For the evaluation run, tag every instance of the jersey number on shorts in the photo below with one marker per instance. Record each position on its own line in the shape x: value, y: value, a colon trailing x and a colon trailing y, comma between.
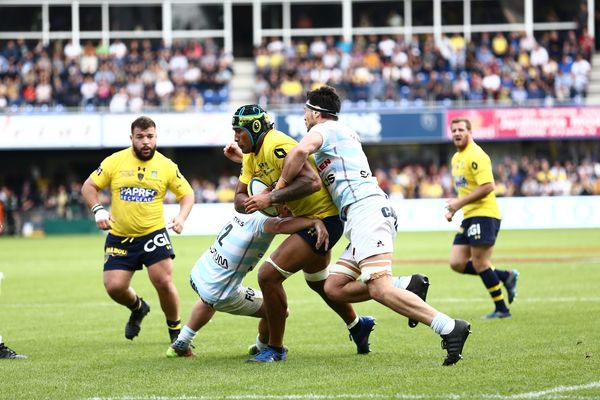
x: 389, y: 212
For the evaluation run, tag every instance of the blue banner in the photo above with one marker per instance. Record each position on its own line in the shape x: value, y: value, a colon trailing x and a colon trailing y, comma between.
x: 377, y: 127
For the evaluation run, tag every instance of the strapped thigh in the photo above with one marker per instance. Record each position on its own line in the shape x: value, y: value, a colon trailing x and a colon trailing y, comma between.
x: 375, y: 269
x: 286, y: 274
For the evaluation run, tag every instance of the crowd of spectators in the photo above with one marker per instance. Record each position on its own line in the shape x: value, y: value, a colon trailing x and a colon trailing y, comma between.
x: 37, y: 199
x: 120, y: 77
x: 495, y: 69
x: 503, y: 68
x: 526, y: 177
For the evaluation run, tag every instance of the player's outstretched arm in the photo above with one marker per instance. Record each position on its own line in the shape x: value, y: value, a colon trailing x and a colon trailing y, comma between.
x: 297, y: 157
x: 291, y: 225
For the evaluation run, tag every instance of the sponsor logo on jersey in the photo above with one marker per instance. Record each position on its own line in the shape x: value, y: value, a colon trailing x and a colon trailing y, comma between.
x: 138, y: 195
x: 328, y: 179
x: 324, y: 164
x: 238, y: 221
x: 460, y: 181
x: 218, y: 258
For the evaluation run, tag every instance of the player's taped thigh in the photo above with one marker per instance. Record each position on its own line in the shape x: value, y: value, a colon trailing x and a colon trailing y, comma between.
x: 286, y: 274
x: 375, y: 269
x: 317, y: 276
x: 345, y: 267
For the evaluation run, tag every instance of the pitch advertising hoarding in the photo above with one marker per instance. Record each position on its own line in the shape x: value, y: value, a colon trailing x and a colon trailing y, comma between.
x: 530, y: 123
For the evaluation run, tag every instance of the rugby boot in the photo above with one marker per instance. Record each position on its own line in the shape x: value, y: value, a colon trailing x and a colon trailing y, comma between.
x: 497, y: 315
x: 454, y: 342
x: 361, y: 334
x: 7, y: 352
x: 419, y: 285
x: 132, y: 329
x: 511, y: 285
x: 268, y: 355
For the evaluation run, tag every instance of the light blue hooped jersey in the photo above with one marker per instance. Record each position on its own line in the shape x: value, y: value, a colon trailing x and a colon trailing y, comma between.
x: 237, y: 249
x: 343, y: 165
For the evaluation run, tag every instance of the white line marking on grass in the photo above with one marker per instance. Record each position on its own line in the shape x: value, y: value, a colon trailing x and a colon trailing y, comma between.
x: 554, y: 393
x: 570, y: 299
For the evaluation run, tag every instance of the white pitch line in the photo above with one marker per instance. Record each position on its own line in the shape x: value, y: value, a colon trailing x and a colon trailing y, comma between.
x: 556, y: 390
x: 553, y: 393
x: 570, y: 299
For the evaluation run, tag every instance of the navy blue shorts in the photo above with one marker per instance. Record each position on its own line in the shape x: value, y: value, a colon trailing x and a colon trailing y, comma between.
x: 478, y: 231
x: 335, y: 228
x: 132, y: 254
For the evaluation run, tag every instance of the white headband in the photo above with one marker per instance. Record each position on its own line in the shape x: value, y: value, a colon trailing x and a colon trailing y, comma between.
x: 320, y: 109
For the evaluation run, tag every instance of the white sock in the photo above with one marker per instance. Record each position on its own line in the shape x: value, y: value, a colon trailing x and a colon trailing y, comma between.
x: 353, y: 323
x: 260, y: 345
x: 442, y: 324
x: 186, y: 336
x: 402, y: 281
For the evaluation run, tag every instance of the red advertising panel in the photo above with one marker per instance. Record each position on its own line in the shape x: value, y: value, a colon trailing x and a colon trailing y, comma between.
x: 530, y: 123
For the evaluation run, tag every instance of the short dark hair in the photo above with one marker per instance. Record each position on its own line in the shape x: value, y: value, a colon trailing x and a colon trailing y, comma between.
x: 466, y: 121
x: 327, y: 99
x: 143, y: 123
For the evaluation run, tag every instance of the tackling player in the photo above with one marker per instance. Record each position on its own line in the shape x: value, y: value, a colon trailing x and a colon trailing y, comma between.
x: 370, y: 220
x: 264, y: 150
x: 138, y: 178
x: 217, y: 275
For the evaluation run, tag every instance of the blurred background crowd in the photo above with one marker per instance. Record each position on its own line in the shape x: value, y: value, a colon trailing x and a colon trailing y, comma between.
x: 129, y: 76
x: 37, y: 197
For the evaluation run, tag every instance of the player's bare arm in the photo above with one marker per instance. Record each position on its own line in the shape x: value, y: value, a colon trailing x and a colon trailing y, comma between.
x: 89, y: 191
x: 233, y: 152
x: 453, y: 205
x: 241, y: 195
x: 185, y: 207
x: 306, y: 183
x: 297, y: 157
x: 291, y: 225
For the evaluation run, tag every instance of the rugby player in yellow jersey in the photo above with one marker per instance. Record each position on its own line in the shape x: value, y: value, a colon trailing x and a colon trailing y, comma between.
x: 473, y: 244
x: 264, y: 150
x: 138, y: 178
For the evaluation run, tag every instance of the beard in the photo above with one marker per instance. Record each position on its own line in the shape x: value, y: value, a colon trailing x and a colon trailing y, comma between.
x: 142, y: 156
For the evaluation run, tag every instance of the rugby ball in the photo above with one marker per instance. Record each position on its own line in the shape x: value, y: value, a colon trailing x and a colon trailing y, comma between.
x: 256, y: 186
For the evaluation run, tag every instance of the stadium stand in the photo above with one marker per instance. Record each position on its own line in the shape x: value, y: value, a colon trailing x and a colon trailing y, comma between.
x: 513, y: 69
x: 125, y: 77
x: 127, y: 61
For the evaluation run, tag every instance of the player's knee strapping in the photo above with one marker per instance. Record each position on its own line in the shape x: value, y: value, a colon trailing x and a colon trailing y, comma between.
x: 345, y: 267
x: 317, y: 276
x: 375, y: 269
x: 286, y: 274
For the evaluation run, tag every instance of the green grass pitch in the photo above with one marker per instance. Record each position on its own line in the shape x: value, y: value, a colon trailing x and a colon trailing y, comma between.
x: 54, y: 309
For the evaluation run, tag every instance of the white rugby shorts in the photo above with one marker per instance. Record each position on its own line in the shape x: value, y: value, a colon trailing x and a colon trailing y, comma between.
x: 370, y: 227
x: 242, y: 301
